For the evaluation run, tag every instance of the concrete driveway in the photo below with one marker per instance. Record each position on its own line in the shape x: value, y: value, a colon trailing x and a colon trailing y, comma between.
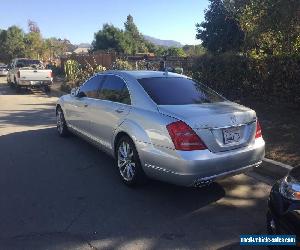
x: 62, y: 193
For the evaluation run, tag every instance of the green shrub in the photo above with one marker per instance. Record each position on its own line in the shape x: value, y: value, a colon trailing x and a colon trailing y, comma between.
x: 122, y: 65
x: 77, y: 73
x: 86, y: 71
x: 65, y: 88
x: 71, y: 68
x: 275, y: 78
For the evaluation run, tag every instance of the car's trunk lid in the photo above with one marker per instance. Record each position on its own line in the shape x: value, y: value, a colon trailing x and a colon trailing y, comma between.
x: 222, y: 126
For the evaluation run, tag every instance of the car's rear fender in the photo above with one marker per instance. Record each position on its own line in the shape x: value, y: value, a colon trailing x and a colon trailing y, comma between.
x: 146, y: 127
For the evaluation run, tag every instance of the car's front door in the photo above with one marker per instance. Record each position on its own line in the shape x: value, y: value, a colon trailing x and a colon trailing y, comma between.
x: 78, y: 114
x: 110, y: 109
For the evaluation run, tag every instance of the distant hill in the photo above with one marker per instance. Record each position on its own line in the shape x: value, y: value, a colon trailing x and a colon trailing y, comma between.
x: 165, y: 43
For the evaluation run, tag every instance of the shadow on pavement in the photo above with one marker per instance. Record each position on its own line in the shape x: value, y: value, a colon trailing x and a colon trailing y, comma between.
x: 6, y: 89
x: 65, y: 189
x: 63, y: 193
x: 33, y: 117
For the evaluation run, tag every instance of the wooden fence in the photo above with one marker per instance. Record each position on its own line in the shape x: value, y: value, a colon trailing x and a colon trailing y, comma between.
x: 98, y: 58
x: 107, y: 60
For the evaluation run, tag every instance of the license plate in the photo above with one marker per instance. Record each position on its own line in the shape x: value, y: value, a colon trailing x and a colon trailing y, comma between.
x: 35, y: 82
x: 231, y: 135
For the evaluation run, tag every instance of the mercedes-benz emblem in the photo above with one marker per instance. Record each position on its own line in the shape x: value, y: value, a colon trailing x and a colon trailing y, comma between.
x: 233, y: 119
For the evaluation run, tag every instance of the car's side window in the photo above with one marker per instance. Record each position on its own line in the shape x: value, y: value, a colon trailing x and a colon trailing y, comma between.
x: 114, y: 89
x: 91, y: 87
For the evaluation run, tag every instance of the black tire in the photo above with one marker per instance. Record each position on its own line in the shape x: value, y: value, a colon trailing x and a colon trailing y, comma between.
x: 47, y: 89
x: 18, y: 88
x: 8, y: 81
x: 61, y: 124
x: 270, y: 221
x: 136, y: 176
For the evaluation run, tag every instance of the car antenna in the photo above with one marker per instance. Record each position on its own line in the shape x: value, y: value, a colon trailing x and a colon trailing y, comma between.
x: 166, y: 72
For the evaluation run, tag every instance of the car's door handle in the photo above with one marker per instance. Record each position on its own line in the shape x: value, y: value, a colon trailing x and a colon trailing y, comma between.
x: 120, y: 110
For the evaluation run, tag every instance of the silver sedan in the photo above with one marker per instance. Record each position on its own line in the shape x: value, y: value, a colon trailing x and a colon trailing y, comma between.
x: 164, y: 126
x: 3, y: 70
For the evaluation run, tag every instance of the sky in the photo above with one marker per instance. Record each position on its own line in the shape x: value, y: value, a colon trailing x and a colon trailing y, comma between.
x: 78, y: 20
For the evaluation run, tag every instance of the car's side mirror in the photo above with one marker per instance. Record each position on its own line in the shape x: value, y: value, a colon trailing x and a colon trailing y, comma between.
x: 74, y: 91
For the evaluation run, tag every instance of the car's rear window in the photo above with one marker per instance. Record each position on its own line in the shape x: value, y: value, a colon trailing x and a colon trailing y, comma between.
x: 28, y: 62
x: 178, y: 91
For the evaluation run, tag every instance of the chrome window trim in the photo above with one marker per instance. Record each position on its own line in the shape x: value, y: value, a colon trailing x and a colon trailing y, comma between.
x: 232, y: 126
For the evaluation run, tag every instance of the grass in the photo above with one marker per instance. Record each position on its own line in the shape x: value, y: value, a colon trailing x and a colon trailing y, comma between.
x: 281, y: 130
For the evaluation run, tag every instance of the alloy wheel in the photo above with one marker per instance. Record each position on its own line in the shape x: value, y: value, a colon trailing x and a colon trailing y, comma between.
x: 126, y: 162
x: 59, y: 121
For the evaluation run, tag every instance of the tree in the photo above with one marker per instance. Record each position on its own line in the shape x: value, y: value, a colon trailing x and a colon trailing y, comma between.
x: 160, y: 51
x: 220, y: 32
x: 109, y: 38
x: 11, y: 43
x: 271, y: 27
x: 194, y: 50
x: 129, y: 41
x: 132, y: 29
x: 33, y: 27
x: 3, y: 39
x: 173, y: 51
x: 15, y: 43
x: 34, y: 45
x: 137, y: 43
x: 54, y: 47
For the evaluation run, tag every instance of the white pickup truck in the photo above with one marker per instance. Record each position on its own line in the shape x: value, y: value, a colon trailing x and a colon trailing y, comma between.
x: 29, y: 73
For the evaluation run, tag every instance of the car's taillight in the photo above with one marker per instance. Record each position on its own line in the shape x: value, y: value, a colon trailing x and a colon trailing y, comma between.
x: 50, y: 74
x: 18, y: 74
x: 258, y: 132
x: 184, y: 137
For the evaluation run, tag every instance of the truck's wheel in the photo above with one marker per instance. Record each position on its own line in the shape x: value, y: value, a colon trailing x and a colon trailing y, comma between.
x: 18, y: 88
x: 16, y: 85
x: 47, y: 89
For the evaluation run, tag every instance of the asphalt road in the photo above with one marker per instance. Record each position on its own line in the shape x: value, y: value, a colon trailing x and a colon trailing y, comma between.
x: 62, y: 193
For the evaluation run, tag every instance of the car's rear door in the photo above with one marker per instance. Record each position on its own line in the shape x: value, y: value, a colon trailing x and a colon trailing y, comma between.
x: 108, y: 112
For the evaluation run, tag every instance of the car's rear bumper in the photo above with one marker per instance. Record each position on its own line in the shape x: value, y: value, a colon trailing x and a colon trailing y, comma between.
x: 194, y: 168
x: 27, y: 83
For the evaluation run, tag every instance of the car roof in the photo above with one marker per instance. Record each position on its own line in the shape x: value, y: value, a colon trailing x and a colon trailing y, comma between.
x: 139, y: 74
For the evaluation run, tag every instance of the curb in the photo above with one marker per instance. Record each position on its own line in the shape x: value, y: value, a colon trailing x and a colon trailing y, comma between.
x: 274, y: 169
x: 277, y: 163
